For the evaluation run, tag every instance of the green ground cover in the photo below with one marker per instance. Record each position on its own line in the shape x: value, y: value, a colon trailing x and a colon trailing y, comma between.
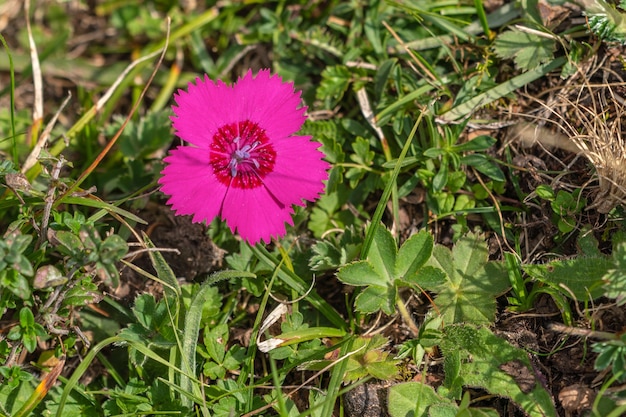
x: 467, y: 256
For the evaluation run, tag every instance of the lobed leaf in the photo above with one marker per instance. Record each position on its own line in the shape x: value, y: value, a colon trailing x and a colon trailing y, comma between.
x: 489, y: 362
x: 471, y: 283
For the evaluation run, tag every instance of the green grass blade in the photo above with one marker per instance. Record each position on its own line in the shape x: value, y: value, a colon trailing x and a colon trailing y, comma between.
x: 81, y: 369
x: 192, y: 330
x: 382, y: 203
x: 465, y: 109
x: 499, y: 17
x: 12, y: 102
x: 99, y: 204
x: 163, y: 270
x: 482, y: 17
x: 297, y: 284
x: 390, y: 110
x: 336, y: 379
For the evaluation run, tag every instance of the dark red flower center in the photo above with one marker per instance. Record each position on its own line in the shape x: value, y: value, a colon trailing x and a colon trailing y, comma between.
x: 241, y: 154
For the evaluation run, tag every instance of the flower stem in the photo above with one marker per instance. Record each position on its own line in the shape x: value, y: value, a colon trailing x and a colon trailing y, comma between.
x: 406, y: 317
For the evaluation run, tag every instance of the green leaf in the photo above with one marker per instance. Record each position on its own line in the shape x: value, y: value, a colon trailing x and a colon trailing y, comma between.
x: 427, y: 278
x: 583, y: 275
x: 441, y: 178
x: 362, y: 153
x: 27, y: 320
x: 466, y: 108
x: 484, y: 165
x: 545, y: 192
x: 527, y: 50
x: 361, y: 273
x: 414, y: 399
x: 215, y: 341
x: 488, y: 362
x: 69, y: 240
x: 472, y: 283
x: 382, y: 254
x: 143, y: 137
x: 456, y: 180
x: 163, y: 270
x: 615, y: 278
x: 375, y: 298
x: 413, y: 254
x: 370, y: 358
x: 94, y: 202
x: 479, y: 143
x: 191, y: 330
x: 606, y: 21
x: 386, y: 268
x: 334, y: 84
x: 434, y: 152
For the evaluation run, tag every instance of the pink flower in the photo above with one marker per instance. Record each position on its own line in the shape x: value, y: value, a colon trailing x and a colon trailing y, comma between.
x: 244, y: 165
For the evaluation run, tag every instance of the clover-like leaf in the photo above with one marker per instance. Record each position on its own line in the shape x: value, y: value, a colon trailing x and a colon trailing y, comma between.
x: 386, y: 268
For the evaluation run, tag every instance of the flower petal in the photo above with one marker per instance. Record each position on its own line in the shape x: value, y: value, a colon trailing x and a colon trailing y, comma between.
x: 189, y: 180
x: 271, y: 103
x: 255, y: 215
x: 202, y: 109
x: 298, y: 171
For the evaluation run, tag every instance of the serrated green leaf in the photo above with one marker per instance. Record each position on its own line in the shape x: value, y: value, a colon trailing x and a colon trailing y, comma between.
x: 472, y: 283
x: 427, y: 278
x: 362, y: 153
x: 143, y: 137
x: 583, y: 276
x: 491, y: 363
x: 385, y: 370
x: 361, y: 273
x: 215, y: 341
x: 375, y: 298
x: 413, y: 254
x: 335, y: 82
x: 331, y: 149
x: 526, y: 49
x: 383, y: 253
x: 615, y: 279
x: 414, y: 399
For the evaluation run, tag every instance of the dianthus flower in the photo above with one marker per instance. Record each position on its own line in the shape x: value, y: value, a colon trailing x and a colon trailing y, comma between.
x: 245, y: 165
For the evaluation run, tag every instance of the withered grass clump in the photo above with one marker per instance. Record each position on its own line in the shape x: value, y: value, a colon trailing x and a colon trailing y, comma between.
x: 589, y: 116
x: 603, y: 142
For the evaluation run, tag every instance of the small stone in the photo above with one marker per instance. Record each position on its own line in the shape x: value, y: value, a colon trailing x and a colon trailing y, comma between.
x: 367, y: 400
x: 576, y: 398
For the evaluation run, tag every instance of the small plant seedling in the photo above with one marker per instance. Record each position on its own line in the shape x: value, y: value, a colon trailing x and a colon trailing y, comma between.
x: 387, y: 268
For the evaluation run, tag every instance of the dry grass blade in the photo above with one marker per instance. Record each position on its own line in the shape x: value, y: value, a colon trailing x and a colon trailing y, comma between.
x: 589, y: 116
x: 37, y: 77
x: 605, y: 147
x: 602, y: 143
